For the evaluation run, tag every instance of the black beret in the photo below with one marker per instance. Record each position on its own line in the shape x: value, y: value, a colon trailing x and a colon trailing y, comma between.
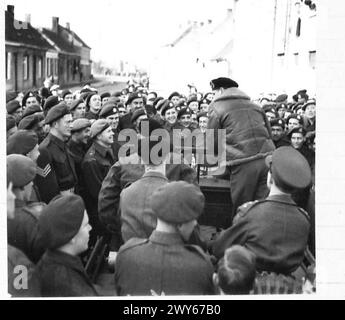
x: 85, y: 90
x: 12, y: 106
x: 133, y: 96
x: 174, y: 94
x: 181, y: 104
x: 223, y: 83
x: 30, y: 121
x: 137, y: 114
x: 294, y: 116
x: 57, y: 112
x: 166, y: 106
x: 184, y: 111
x: 10, y: 122
x: 203, y: 101
x: 299, y: 129
x: 76, y: 103
x: 22, y: 142
x: 269, y: 108
x: 21, y: 170
x: 154, y: 104
x: 98, y: 127
x: 308, y: 103
x: 160, y: 104
x: 192, y: 99
x: 108, y: 109
x: 50, y: 103
x: 281, y: 98
x: 105, y: 95
x: 28, y: 95
x: 32, y: 110
x: 289, y: 167
x: 278, y: 122
x: 201, y: 114
x: 281, y: 105
x: 65, y: 93
x: 60, y: 220
x: 178, y: 202
x: 117, y: 94
x: 87, y: 100
x: 80, y: 124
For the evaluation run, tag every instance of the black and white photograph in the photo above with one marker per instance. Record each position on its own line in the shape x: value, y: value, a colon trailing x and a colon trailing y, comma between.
x: 168, y: 148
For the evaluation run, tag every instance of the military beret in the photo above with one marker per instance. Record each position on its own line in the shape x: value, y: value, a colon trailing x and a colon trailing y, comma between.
x: 137, y: 114
x: 85, y: 90
x: 80, y: 124
x: 50, y: 103
x: 108, y: 109
x: 174, y: 94
x: 289, y: 168
x: 21, y: 170
x: 192, y: 99
x: 181, y: 104
x: 75, y: 104
x: 57, y: 112
x: 65, y: 93
x: 12, y: 106
x: 201, y: 114
x: 117, y: 94
x: 281, y: 105
x: 281, y: 98
x: 308, y: 103
x: 269, y: 108
x: 178, y: 202
x: 133, y: 96
x: 203, y: 101
x: 60, y: 220
x: 160, y: 104
x: 28, y: 122
x: 98, y: 127
x: 223, y: 83
x: 28, y: 95
x: 87, y: 100
x: 10, y: 95
x: 297, y: 106
x: 22, y: 142
x: 278, y: 123
x: 184, y: 111
x: 294, y: 116
x: 166, y: 106
x: 10, y: 122
x: 299, y: 129
x: 155, y: 102
x: 105, y: 95
x: 32, y: 109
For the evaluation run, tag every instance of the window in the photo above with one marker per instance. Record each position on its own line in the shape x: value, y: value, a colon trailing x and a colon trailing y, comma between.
x: 312, y: 59
x: 8, y: 65
x: 39, y: 68
x: 56, y: 67
x: 47, y: 68
x: 296, y: 56
x: 26, y: 67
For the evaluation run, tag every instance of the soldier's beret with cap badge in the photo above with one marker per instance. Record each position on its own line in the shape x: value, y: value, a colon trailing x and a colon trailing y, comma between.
x: 166, y: 106
x: 308, y: 103
x: 184, y: 111
x: 98, y: 127
x: 289, y: 167
x: 57, y: 112
x: 80, y: 124
x: 298, y: 129
x: 133, y: 96
x: 108, y: 109
x: 278, y: 122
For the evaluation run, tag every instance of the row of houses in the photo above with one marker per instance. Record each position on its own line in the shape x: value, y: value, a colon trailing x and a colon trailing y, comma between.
x: 36, y: 54
x: 267, y: 46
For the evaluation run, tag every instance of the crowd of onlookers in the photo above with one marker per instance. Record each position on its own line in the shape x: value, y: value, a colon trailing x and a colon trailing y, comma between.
x: 67, y: 186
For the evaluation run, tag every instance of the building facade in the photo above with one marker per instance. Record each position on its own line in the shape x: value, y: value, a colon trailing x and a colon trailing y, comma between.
x: 33, y: 55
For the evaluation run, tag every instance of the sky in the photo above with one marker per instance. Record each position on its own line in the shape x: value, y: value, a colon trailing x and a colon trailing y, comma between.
x: 129, y: 30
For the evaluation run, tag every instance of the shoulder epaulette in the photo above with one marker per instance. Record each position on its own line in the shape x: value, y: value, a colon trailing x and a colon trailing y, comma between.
x: 244, y: 208
x: 199, y: 251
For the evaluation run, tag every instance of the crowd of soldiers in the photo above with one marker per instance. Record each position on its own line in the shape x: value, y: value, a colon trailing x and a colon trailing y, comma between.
x: 69, y: 184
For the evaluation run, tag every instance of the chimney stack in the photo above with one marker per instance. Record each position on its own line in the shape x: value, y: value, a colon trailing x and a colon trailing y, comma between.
x: 10, y: 10
x: 55, y: 24
x: 68, y: 26
x: 28, y: 18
